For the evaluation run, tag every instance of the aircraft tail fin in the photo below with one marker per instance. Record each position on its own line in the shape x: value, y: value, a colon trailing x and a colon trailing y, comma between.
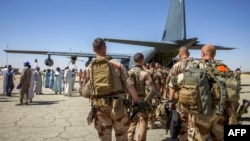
x: 175, y: 28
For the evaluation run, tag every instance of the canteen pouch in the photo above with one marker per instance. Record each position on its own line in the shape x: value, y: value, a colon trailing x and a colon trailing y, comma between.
x: 117, y: 106
x: 86, y: 90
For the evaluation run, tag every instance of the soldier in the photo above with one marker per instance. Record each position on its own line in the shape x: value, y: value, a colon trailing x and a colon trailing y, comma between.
x: 165, y: 72
x: 107, y: 100
x: 142, y: 81
x: 177, y: 68
x: 206, y: 110
x: 157, y: 77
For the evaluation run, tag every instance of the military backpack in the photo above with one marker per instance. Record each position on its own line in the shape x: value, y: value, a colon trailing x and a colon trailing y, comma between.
x: 101, y: 76
x: 203, y: 85
x: 139, y: 83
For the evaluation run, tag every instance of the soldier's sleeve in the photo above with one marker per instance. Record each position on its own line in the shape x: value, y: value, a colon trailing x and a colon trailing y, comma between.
x: 124, y: 73
x: 172, y: 73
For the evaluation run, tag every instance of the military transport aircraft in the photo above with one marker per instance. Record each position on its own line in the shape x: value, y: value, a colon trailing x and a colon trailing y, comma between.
x: 174, y: 36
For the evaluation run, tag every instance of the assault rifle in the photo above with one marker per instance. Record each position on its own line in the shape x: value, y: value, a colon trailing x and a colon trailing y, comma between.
x: 143, y: 105
x: 91, y: 115
x: 243, y: 108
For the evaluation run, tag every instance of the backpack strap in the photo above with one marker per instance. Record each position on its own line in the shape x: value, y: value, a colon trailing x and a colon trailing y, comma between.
x: 221, y: 107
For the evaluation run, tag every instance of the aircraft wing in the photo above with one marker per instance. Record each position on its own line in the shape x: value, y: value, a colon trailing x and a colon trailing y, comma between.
x: 157, y: 44
x: 199, y: 46
x: 163, y: 45
x: 77, y: 54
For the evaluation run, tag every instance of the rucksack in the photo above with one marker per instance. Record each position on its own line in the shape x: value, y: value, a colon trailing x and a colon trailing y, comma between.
x: 139, y: 84
x: 195, y: 92
x: 224, y: 77
x: 101, y: 76
x: 202, y: 85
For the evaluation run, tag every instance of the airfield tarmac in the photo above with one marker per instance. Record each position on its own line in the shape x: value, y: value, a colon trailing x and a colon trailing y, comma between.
x: 59, y: 118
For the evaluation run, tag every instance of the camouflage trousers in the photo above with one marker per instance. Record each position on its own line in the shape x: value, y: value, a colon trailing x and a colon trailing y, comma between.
x: 106, y: 120
x: 183, y: 136
x: 142, y: 120
x: 152, y: 114
x: 200, y: 126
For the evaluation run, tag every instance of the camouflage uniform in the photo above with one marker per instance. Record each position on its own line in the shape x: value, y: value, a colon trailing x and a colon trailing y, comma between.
x: 165, y: 73
x: 141, y: 117
x: 161, y: 114
x: 200, y: 126
x: 156, y: 77
x: 111, y: 112
x: 177, y: 68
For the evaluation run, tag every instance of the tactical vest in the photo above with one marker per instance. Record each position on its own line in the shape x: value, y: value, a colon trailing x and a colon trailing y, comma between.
x: 104, y: 79
x: 139, y: 82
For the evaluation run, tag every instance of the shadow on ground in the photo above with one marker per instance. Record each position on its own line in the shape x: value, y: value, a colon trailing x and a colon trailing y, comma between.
x: 245, y: 85
x: 45, y: 102
x: 245, y: 119
x: 170, y: 139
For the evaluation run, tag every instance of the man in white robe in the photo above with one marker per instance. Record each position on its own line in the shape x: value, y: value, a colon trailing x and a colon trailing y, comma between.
x: 68, y: 81
x: 3, y: 71
x: 37, y: 81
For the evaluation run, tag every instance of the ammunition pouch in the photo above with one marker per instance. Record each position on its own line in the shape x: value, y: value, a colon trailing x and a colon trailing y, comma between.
x: 188, y: 95
x: 188, y: 98
x: 102, y: 102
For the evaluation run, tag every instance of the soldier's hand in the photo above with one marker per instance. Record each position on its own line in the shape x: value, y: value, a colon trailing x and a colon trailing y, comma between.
x: 171, y: 105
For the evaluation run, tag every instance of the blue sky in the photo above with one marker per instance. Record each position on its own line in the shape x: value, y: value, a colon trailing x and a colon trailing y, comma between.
x: 71, y: 25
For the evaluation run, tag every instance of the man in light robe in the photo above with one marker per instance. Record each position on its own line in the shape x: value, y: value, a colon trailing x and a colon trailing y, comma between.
x: 31, y: 88
x: 3, y: 71
x: 68, y: 81
x: 47, y: 78
x: 37, y: 81
x: 58, y: 81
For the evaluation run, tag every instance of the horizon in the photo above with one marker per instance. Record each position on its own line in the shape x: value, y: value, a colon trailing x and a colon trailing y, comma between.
x: 63, y: 25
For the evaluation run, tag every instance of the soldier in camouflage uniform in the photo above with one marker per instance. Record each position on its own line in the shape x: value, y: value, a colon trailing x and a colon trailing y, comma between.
x: 156, y: 77
x: 165, y: 72
x: 145, y: 83
x: 199, y: 125
x: 177, y: 68
x: 110, y: 111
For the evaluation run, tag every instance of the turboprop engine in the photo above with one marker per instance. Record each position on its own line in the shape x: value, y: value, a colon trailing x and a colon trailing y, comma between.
x: 49, y: 62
